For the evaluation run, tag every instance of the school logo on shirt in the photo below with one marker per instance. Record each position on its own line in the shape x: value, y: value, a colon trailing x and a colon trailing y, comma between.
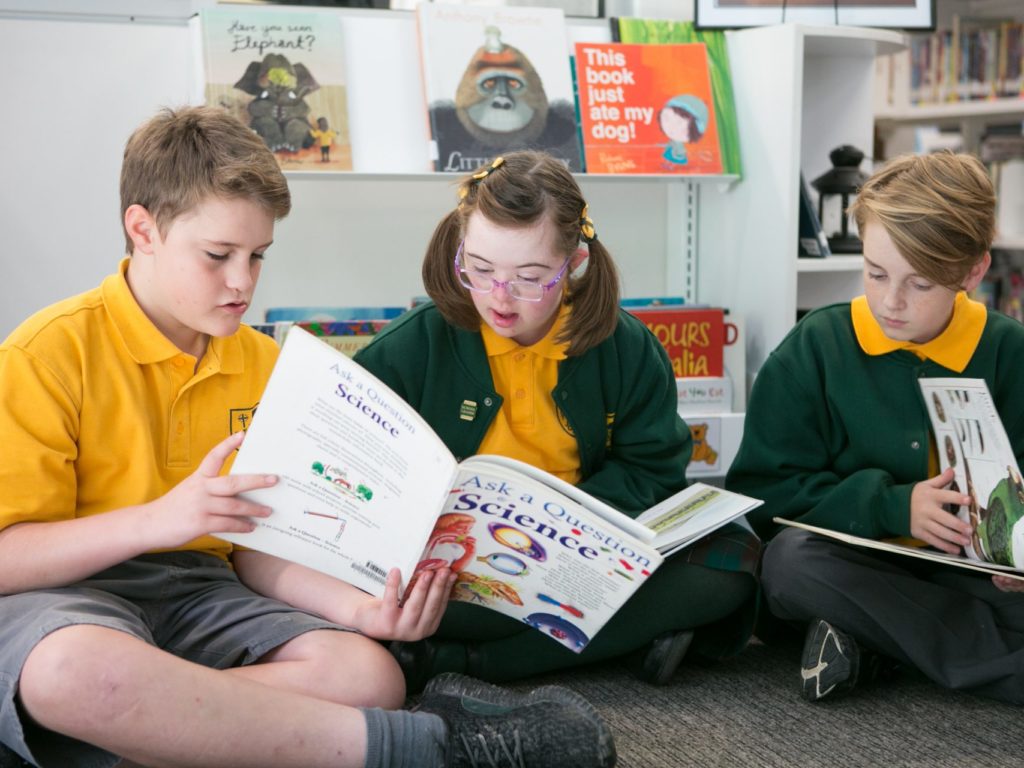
x: 241, y: 418
x: 564, y: 422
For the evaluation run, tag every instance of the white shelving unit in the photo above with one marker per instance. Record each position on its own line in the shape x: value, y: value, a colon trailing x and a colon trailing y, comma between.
x: 800, y: 92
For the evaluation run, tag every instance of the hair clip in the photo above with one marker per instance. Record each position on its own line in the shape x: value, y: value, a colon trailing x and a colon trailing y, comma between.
x: 587, y: 232
x: 478, y: 177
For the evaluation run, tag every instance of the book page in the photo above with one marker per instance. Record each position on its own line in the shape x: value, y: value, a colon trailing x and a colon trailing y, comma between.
x: 362, y: 476
x: 531, y: 553
x: 971, y: 439
x: 923, y: 553
x: 692, y: 513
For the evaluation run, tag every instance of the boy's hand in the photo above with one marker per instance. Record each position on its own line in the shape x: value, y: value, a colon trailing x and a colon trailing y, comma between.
x: 416, y: 618
x: 1008, y: 584
x: 932, y: 524
x: 205, y: 502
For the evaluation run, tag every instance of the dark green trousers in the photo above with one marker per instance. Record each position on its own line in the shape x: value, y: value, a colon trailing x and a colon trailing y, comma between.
x: 678, y: 596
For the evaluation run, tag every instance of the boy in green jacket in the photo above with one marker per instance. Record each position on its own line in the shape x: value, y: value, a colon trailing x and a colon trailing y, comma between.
x: 837, y: 435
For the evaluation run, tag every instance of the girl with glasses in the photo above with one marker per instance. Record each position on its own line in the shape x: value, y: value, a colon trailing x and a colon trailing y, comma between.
x: 524, y: 352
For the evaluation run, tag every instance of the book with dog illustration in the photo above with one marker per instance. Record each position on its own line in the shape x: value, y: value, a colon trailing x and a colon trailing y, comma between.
x: 366, y: 486
x: 282, y: 73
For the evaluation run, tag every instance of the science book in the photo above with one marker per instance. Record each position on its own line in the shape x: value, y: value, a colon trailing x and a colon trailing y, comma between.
x: 647, y: 109
x: 282, y: 73
x: 663, y: 31
x: 496, y: 79
x: 366, y: 486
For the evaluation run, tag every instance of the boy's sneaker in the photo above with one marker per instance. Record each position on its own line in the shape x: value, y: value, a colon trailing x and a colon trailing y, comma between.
x: 497, y: 727
x: 830, y: 662
x: 657, y: 662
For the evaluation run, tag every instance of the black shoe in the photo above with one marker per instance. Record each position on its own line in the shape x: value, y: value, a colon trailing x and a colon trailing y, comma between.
x: 830, y: 664
x: 656, y: 663
x: 417, y: 662
x: 492, y: 726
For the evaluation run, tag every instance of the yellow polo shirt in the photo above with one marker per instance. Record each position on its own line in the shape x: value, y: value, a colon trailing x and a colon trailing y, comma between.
x: 528, y: 426
x: 953, y: 349
x: 99, y: 410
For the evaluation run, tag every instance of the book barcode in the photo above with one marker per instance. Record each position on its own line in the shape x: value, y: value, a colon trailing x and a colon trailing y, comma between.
x: 375, y: 572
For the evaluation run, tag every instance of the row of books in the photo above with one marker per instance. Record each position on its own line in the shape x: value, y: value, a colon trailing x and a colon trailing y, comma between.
x: 658, y: 100
x: 973, y: 59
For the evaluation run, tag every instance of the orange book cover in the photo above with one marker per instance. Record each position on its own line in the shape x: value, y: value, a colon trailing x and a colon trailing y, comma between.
x: 693, y: 337
x: 647, y: 108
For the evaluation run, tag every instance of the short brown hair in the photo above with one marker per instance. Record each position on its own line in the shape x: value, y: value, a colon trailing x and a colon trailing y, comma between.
x: 181, y: 156
x: 938, y: 209
x: 526, y: 187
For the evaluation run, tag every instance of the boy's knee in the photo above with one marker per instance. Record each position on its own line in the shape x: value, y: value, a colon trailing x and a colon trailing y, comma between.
x: 784, y: 559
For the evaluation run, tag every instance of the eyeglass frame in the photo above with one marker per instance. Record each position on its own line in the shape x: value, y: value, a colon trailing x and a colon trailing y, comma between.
x: 460, y: 274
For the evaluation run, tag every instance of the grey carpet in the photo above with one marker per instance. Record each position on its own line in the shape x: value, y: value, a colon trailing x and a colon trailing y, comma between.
x: 747, y: 711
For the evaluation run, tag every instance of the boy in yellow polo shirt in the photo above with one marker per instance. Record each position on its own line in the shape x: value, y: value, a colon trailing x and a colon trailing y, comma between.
x: 124, y: 629
x: 837, y: 435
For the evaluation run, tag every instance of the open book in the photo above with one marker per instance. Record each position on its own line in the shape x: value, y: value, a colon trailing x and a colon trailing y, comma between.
x: 366, y: 486
x: 972, y: 440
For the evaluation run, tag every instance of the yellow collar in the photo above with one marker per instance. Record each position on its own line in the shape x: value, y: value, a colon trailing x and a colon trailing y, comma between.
x: 953, y: 348
x: 496, y: 345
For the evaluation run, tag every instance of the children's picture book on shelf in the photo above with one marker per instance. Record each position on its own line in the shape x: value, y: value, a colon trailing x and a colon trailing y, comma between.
x: 647, y: 109
x: 366, y: 486
x: 329, y: 314
x: 716, y: 439
x: 281, y: 72
x: 496, y: 79
x: 812, y: 241
x: 346, y: 336
x: 663, y: 31
x: 970, y: 438
x: 694, y: 337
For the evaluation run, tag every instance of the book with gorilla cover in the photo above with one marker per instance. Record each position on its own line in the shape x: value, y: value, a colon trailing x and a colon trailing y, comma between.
x: 496, y: 79
x: 282, y: 73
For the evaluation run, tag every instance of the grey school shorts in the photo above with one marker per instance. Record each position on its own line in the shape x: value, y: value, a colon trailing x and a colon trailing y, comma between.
x: 224, y: 624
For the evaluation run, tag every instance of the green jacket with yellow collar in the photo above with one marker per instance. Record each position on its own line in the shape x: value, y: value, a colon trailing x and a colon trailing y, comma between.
x: 618, y: 400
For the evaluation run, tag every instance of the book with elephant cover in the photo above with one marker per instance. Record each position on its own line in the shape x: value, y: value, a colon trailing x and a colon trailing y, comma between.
x: 496, y: 79
x: 281, y: 72
x: 970, y: 438
x: 366, y: 486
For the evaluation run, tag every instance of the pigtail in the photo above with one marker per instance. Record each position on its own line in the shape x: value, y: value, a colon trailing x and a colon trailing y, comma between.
x: 438, y: 273
x: 594, y: 297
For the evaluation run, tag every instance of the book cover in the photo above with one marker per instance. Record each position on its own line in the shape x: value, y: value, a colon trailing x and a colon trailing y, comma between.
x: 647, y: 109
x: 282, y: 73
x: 326, y: 314
x: 346, y: 336
x: 367, y: 486
x: 496, y: 79
x: 661, y: 31
x: 716, y: 439
x: 812, y: 240
x: 695, y: 338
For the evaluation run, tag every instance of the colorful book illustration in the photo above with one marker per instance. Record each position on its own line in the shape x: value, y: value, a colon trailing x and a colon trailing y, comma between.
x: 695, y: 338
x: 367, y: 486
x: 496, y: 79
x: 282, y: 73
x: 647, y: 109
x: 632, y: 30
x: 328, y: 314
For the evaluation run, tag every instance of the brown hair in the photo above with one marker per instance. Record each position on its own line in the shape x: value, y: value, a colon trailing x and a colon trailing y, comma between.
x: 180, y: 157
x: 518, y: 193
x: 938, y: 209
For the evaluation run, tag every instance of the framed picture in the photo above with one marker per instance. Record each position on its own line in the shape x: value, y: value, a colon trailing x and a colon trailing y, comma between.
x: 894, y: 14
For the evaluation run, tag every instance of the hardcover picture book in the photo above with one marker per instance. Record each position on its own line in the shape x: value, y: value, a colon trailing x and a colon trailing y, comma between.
x: 366, y: 486
x: 282, y: 73
x: 694, y: 337
x: 661, y: 31
x: 496, y: 79
x: 647, y: 109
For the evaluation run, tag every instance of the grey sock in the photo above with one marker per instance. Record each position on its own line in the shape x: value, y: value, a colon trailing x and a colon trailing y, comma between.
x: 403, y: 739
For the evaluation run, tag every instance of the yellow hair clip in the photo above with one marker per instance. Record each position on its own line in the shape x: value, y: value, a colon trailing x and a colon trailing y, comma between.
x: 587, y: 232
x: 481, y: 175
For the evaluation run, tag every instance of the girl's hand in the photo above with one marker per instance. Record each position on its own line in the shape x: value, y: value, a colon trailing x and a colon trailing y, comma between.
x: 416, y: 618
x: 205, y: 502
x: 933, y: 524
x: 1008, y: 584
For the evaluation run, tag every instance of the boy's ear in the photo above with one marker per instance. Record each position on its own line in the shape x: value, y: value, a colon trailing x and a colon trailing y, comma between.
x: 141, y: 228
x: 977, y: 272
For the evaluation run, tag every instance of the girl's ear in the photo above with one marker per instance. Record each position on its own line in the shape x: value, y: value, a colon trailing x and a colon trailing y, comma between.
x: 141, y: 228
x: 977, y: 272
x: 581, y: 255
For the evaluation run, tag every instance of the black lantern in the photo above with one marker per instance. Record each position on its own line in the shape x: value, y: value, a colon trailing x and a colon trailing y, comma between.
x: 843, y: 179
